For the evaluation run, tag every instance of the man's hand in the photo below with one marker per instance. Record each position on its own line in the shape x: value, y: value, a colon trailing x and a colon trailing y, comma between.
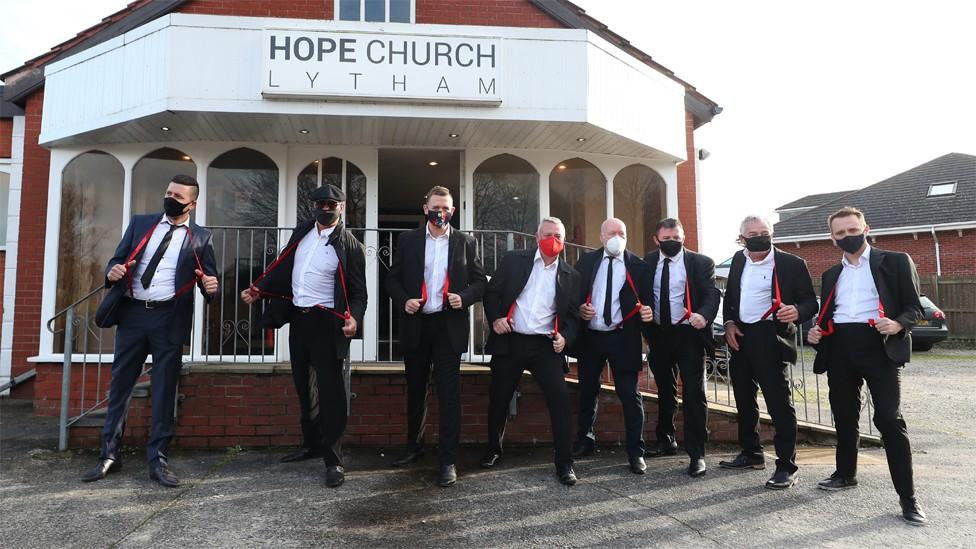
x: 647, y: 313
x: 250, y: 295
x: 732, y: 333
x: 787, y: 314
x: 814, y: 335
x: 886, y: 326
x: 349, y: 328
x: 118, y: 271
x: 501, y: 326
x: 412, y: 306
x: 209, y: 282
x: 558, y: 342
x: 454, y: 300
x: 587, y: 312
x: 697, y: 321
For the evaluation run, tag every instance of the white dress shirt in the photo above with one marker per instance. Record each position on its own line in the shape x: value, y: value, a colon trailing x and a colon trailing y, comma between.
x: 756, y: 287
x: 163, y: 284
x: 598, y: 297
x: 856, y: 297
x: 676, y: 286
x: 314, y: 273
x: 535, y: 308
x: 435, y: 269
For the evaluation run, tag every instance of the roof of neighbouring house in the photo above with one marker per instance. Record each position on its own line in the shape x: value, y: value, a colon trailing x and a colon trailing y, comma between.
x: 813, y: 200
x: 901, y: 200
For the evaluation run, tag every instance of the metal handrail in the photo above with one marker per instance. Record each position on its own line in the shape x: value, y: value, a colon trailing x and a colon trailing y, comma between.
x: 74, y: 304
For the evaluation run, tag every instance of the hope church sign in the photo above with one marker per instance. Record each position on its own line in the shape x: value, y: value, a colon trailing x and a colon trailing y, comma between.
x: 381, y: 67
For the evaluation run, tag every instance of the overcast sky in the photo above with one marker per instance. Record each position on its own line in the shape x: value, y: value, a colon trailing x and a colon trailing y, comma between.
x: 818, y: 96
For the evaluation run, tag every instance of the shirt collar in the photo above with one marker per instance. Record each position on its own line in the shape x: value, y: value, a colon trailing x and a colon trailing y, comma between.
x: 763, y: 261
x: 677, y: 257
x: 607, y: 254
x: 167, y: 221
x: 865, y: 258
x: 446, y: 234
x: 326, y: 232
x: 538, y: 257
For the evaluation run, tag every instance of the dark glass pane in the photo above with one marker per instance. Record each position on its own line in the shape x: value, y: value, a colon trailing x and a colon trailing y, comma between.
x: 639, y: 201
x: 152, y: 175
x: 376, y: 10
x: 349, y: 10
x: 242, y: 190
x: 355, y: 198
x: 400, y: 11
x: 308, y: 181
x: 506, y: 199
x: 577, y: 195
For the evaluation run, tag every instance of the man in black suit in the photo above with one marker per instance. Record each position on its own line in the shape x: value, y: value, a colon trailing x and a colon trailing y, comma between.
x: 318, y: 284
x: 532, y: 303
x: 614, y: 293
x: 685, y: 304
x: 152, y: 275
x: 436, y: 275
x: 769, y: 291
x: 869, y: 305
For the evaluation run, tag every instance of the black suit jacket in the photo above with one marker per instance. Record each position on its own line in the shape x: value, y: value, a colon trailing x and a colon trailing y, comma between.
x: 897, y: 282
x: 200, y: 239
x: 796, y: 288
x: 467, y: 279
x: 588, y: 265
x: 705, y: 297
x: 352, y: 258
x: 507, y: 284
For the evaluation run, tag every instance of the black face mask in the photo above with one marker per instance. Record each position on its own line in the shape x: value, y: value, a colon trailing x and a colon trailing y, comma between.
x: 851, y: 243
x: 326, y: 218
x: 671, y: 247
x: 173, y: 207
x: 439, y: 218
x: 758, y: 243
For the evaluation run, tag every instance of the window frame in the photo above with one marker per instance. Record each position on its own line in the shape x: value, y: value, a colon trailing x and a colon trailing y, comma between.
x: 932, y: 186
x: 386, y: 18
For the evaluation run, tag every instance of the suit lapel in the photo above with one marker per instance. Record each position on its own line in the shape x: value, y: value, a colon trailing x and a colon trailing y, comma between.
x: 186, y: 248
x: 877, y: 257
x: 829, y: 286
x: 595, y: 270
x: 735, y: 282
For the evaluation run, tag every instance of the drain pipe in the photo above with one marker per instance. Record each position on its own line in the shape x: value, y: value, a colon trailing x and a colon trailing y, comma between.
x: 938, y: 258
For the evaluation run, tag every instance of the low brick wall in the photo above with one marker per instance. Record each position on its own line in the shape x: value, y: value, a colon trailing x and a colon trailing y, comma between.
x: 224, y: 406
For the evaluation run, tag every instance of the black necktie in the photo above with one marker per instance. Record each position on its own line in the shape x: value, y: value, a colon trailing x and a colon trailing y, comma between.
x: 157, y: 257
x: 608, y: 298
x: 665, y: 302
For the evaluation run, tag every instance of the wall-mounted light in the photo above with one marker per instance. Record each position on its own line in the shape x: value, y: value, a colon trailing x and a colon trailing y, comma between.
x: 561, y: 167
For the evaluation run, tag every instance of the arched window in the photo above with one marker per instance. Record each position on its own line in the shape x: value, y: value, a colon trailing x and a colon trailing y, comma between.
x: 341, y: 173
x: 91, y: 212
x: 577, y: 195
x: 506, y: 195
x: 639, y: 201
x: 151, y: 175
x: 242, y: 212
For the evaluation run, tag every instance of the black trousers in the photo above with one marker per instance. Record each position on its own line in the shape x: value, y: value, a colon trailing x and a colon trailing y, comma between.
x: 674, y: 350
x: 858, y: 355
x: 317, y: 373
x: 142, y: 332
x: 598, y: 349
x: 533, y: 353
x: 759, y: 365
x: 433, y: 354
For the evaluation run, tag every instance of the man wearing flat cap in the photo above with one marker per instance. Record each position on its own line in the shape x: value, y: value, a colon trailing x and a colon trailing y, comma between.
x: 318, y: 284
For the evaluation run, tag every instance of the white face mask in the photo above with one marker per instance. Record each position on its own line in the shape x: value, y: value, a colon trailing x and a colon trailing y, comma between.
x: 616, y: 245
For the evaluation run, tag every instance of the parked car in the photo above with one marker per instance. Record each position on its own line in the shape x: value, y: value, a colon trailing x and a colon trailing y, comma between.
x: 931, y: 329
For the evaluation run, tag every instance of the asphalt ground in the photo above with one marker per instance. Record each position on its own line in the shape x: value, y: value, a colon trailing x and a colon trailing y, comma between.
x: 239, y: 498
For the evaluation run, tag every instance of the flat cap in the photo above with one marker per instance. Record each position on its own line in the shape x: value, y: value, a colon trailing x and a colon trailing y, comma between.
x: 329, y: 192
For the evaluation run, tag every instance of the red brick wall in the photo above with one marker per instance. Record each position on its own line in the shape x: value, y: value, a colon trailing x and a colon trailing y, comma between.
x: 221, y: 410
x: 295, y: 9
x: 30, y: 244
x: 502, y: 13
x: 957, y: 253
x: 6, y: 136
x: 687, y: 189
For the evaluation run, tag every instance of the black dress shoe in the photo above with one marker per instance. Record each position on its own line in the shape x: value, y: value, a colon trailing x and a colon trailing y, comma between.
x: 566, y: 475
x: 696, y: 468
x: 490, y: 459
x: 101, y: 470
x: 409, y: 457
x: 912, y: 513
x: 582, y: 449
x: 447, y: 476
x: 835, y: 483
x: 743, y: 461
x: 637, y: 465
x: 659, y: 448
x: 162, y: 474
x: 302, y: 454
x: 782, y: 480
x: 334, y: 476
